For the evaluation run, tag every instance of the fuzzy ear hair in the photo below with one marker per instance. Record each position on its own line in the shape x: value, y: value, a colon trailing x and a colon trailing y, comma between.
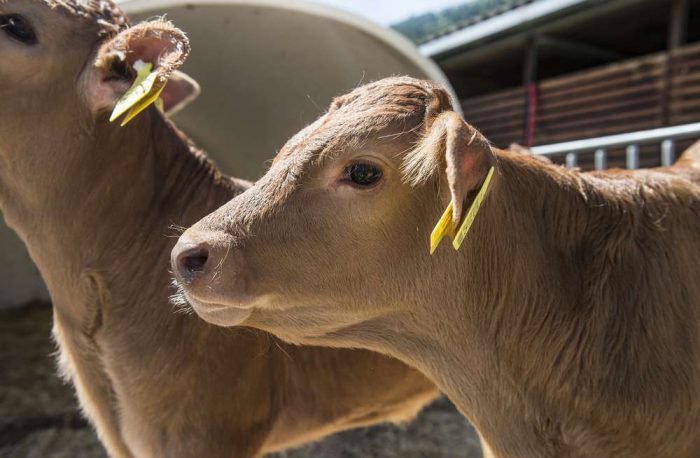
x: 156, y: 42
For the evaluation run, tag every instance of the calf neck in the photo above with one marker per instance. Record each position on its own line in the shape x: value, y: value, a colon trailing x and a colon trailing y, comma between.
x: 567, y: 322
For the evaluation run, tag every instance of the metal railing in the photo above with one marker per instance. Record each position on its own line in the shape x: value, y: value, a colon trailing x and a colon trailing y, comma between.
x: 665, y: 137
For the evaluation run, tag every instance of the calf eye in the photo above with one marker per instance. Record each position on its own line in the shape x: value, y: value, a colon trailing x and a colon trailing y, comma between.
x: 362, y: 174
x: 18, y: 28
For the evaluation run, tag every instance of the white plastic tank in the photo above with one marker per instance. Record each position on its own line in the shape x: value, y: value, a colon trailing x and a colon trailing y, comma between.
x: 267, y: 68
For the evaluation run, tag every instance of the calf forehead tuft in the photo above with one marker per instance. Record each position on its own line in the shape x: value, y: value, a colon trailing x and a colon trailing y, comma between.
x: 398, y: 95
x: 372, y: 108
x: 369, y: 109
x: 105, y: 13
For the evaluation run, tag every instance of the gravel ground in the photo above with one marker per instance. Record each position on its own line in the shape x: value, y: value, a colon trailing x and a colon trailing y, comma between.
x: 39, y: 416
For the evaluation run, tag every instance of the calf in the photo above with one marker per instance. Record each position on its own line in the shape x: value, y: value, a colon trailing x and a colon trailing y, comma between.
x: 565, y: 325
x: 94, y: 202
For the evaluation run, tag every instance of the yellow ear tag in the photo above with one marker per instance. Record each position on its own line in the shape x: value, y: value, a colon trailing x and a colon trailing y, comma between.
x: 445, y: 226
x: 471, y: 214
x: 142, y: 105
x: 141, y: 88
x: 442, y: 228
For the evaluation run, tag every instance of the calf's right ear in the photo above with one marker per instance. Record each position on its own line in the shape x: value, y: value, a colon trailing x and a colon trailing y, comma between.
x: 114, y: 68
x: 469, y: 166
x: 468, y: 157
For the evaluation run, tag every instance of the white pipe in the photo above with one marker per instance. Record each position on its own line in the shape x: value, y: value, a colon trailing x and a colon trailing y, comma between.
x: 611, y: 141
x: 668, y: 155
x: 632, y: 157
x: 601, y: 159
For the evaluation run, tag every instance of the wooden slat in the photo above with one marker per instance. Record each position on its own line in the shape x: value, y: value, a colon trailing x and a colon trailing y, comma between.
x: 504, y: 139
x: 604, y: 84
x: 493, y: 107
x: 497, y: 96
x: 501, y: 133
x: 684, y: 92
x: 618, y: 90
x: 594, y: 109
x: 638, y: 91
x: 690, y: 78
x: 584, y: 77
x: 605, y: 120
x: 592, y: 129
x: 680, y: 65
x: 686, y: 105
x: 503, y: 114
x: 495, y: 124
x: 685, y: 118
x: 542, y: 138
x: 687, y: 50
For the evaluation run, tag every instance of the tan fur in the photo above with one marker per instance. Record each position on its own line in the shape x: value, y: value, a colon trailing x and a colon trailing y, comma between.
x: 95, y: 204
x: 565, y: 326
x: 516, y: 148
x: 690, y: 157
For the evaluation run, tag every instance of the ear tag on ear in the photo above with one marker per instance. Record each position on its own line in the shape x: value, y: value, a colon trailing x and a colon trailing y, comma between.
x: 445, y: 226
x: 471, y: 214
x: 140, y: 95
x: 143, y: 104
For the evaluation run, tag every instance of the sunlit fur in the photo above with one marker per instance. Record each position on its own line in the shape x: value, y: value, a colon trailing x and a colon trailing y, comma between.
x: 567, y: 324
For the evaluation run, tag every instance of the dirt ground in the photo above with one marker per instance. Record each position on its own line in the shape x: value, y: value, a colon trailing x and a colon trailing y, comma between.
x: 39, y: 417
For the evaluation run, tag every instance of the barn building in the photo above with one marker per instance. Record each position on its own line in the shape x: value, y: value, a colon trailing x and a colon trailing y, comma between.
x: 593, y: 83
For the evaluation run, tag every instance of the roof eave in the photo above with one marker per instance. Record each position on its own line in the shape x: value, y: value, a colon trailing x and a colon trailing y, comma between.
x: 507, y: 22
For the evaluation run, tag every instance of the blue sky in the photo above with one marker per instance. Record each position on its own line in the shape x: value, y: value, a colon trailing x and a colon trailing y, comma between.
x: 388, y: 12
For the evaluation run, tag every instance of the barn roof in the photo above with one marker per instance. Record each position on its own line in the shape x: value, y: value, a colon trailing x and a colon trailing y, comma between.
x: 502, y: 21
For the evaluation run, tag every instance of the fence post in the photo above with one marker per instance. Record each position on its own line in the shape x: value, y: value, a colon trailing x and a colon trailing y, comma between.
x: 571, y: 159
x: 668, y: 152
x: 633, y: 157
x: 601, y: 159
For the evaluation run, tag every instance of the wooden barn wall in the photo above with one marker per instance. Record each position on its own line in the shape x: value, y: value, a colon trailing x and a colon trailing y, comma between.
x: 644, y: 93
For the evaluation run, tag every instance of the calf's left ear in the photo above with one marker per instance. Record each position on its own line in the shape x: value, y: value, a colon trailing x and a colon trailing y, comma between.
x: 115, y: 68
x: 180, y: 91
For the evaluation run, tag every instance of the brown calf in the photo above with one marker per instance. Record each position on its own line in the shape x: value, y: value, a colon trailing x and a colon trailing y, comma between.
x: 94, y: 203
x: 567, y: 323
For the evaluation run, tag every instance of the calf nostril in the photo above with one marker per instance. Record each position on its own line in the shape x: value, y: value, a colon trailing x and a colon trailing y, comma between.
x: 192, y: 261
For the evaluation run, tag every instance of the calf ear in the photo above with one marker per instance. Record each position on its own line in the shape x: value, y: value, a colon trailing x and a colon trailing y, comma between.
x: 468, y: 158
x: 112, y: 72
x: 181, y: 90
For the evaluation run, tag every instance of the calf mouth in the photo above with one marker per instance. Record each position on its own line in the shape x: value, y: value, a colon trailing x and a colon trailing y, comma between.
x: 234, y: 312
x: 222, y: 315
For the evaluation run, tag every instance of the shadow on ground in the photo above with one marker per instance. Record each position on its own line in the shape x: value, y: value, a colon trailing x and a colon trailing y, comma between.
x: 39, y: 417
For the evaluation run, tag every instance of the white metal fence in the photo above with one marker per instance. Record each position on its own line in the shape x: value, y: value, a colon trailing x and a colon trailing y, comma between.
x: 665, y: 137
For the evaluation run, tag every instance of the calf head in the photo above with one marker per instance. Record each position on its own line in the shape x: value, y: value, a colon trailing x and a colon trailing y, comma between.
x: 336, y: 233
x: 64, y: 65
